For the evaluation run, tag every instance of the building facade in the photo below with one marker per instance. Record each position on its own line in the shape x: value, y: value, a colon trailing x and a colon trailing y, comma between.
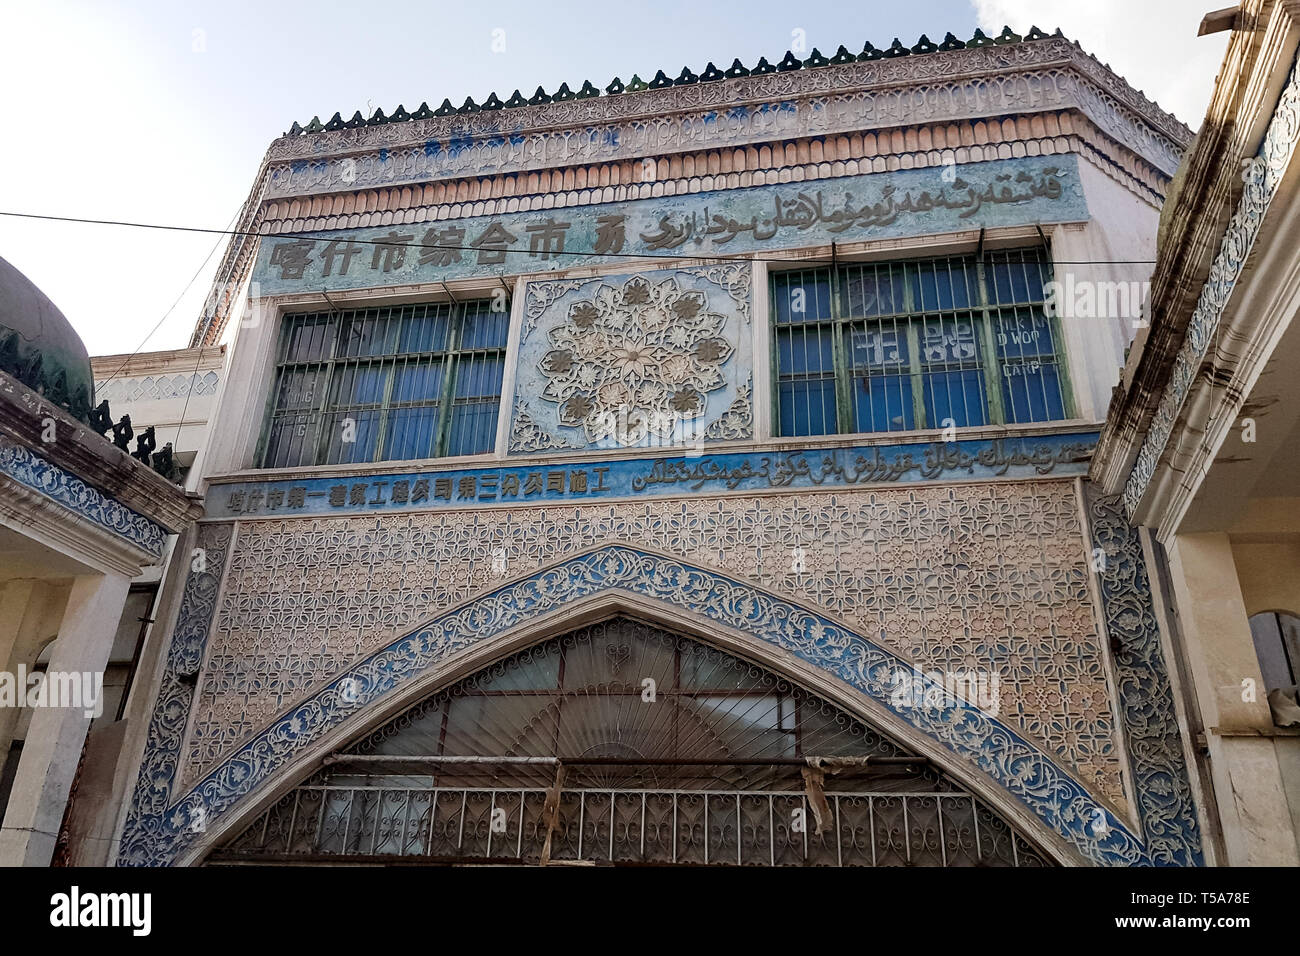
x: 81, y: 517
x: 689, y: 472
x: 1200, y: 440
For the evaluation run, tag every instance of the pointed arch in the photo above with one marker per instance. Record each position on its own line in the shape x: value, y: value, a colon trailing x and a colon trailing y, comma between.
x: 647, y: 746
x: 1016, y: 778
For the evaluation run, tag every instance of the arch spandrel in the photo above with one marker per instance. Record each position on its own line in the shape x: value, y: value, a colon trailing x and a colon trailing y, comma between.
x: 1015, y: 777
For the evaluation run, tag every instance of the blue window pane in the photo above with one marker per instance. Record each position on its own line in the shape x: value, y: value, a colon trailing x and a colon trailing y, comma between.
x: 872, y: 290
x: 927, y: 289
x: 299, y: 388
x: 1023, y: 335
x: 418, y: 382
x: 411, y: 432
x: 479, y: 377
x: 484, y: 330
x: 473, y: 429
x: 361, y: 426
x: 955, y: 395
x: 1031, y: 392
x: 881, y: 376
x: 291, y: 440
x: 358, y: 384
x: 805, y: 351
x: 424, y: 331
x: 808, y: 407
x: 365, y: 333
x: 879, y: 347
x: 949, y: 341
x: 1000, y: 273
x: 308, y: 338
x: 801, y: 296
x: 1015, y: 278
x: 884, y: 403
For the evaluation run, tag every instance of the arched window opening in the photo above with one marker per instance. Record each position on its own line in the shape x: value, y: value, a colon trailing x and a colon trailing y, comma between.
x: 622, y: 743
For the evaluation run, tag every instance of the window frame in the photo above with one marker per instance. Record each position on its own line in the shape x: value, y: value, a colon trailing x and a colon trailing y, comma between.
x: 451, y: 358
x: 985, y: 313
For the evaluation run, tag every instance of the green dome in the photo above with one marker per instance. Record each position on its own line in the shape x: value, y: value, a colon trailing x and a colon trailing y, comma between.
x: 39, y: 347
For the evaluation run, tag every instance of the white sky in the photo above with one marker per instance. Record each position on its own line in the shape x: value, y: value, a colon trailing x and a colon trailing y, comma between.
x: 1151, y: 43
x: 161, y: 110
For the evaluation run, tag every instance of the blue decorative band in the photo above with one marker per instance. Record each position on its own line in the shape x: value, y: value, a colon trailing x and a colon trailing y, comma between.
x: 1021, y: 457
x: 32, y: 471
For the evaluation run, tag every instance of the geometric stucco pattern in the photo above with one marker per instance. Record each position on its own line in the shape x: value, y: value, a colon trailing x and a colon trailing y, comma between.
x: 168, y: 821
x: 152, y: 388
x: 988, y: 577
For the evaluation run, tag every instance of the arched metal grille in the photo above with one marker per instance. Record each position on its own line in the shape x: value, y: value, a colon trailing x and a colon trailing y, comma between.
x: 623, y: 743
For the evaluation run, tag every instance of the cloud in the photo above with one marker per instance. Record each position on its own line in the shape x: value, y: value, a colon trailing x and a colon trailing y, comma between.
x: 1151, y: 43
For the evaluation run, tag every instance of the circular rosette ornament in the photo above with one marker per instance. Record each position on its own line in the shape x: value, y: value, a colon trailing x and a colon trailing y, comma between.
x: 635, y: 360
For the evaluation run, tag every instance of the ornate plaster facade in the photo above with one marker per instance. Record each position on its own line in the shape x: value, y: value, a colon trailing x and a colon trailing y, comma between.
x: 637, y: 466
x: 1200, y: 439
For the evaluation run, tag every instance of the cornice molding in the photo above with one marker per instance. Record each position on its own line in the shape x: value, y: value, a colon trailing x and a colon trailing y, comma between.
x: 1195, y: 227
x: 59, y: 526
x: 1042, y: 134
x: 985, y: 82
x: 27, y: 419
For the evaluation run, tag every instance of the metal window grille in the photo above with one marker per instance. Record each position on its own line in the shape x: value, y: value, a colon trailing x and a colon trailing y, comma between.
x: 897, y: 346
x: 395, y: 383
x: 708, y: 770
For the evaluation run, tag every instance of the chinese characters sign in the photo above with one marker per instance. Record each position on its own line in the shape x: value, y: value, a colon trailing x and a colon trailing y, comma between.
x: 785, y: 216
x: 1026, y: 457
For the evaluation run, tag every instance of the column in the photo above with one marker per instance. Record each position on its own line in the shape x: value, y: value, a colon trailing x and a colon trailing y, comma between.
x: 1252, y: 801
x: 55, y: 737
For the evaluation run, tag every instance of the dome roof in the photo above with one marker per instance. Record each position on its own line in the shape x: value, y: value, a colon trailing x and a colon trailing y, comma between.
x: 39, y: 347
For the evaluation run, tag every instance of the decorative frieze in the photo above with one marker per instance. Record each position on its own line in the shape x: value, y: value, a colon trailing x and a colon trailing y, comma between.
x: 791, y: 215
x: 914, y: 147
x: 153, y: 388
x: 1261, y: 178
x: 29, y: 469
x: 561, y: 482
x: 991, y: 81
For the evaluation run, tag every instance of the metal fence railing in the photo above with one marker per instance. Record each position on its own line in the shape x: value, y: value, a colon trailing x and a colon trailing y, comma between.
x: 326, y: 823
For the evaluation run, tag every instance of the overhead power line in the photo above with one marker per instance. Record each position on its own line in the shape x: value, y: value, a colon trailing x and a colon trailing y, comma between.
x: 715, y: 257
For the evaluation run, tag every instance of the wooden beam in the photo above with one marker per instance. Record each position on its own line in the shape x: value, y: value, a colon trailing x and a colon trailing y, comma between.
x: 1220, y: 20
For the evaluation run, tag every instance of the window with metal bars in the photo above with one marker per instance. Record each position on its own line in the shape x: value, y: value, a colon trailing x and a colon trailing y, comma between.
x: 923, y: 343
x: 394, y: 383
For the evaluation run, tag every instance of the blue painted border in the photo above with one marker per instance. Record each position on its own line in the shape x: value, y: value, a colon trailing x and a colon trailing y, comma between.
x: 1029, y: 456
x: 32, y: 471
x: 1161, y: 783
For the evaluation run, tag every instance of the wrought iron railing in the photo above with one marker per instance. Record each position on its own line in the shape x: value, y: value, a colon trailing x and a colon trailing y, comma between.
x: 326, y: 823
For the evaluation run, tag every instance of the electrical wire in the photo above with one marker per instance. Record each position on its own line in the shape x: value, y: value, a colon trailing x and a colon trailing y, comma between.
x: 179, y: 298
x: 421, y: 245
